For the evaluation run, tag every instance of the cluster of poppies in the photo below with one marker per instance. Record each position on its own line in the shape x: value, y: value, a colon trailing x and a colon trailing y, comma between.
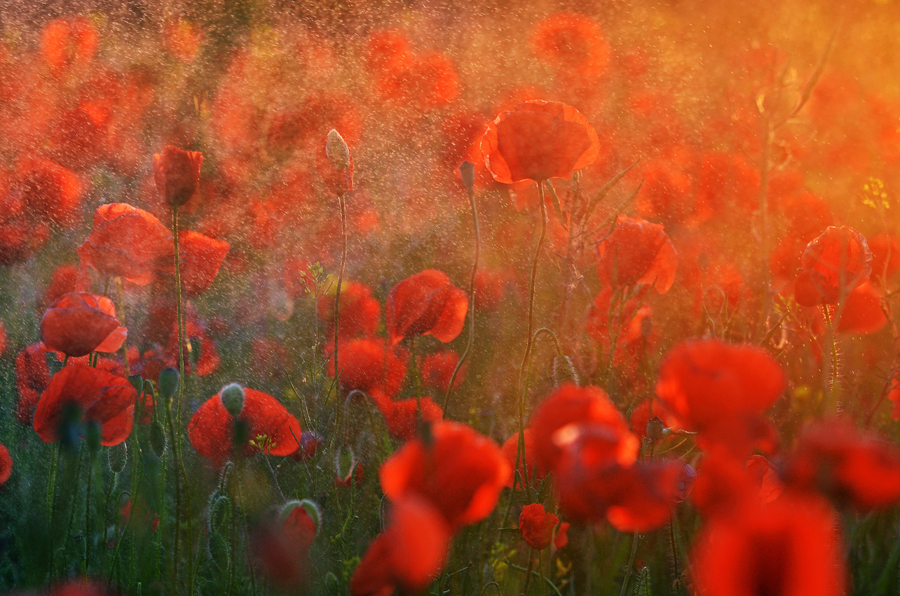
x: 682, y: 325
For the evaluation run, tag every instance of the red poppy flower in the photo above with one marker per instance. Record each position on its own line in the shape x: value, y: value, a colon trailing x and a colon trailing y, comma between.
x: 408, y: 554
x: 510, y: 450
x: 67, y: 44
x: 50, y: 192
x: 556, y: 419
x: 282, y: 547
x: 426, y: 304
x: 143, y: 513
x: 536, y: 526
x: 79, y: 323
x: 637, y: 252
x: 360, y: 311
x: 437, y: 368
x: 203, y: 258
x: 630, y: 322
x: 6, y: 464
x: 177, y: 174
x: 788, y: 548
x: 862, y: 312
x: 885, y: 255
x: 335, y: 163
x: 401, y: 415
x: 460, y: 472
x: 724, y: 484
x: 269, y: 426
x: 837, y: 460
x: 833, y: 264
x: 719, y: 390
x: 127, y: 242
x: 424, y: 82
x: 367, y: 364
x: 538, y: 140
x: 32, y: 378
x: 101, y: 396
x: 571, y: 41
x: 592, y: 486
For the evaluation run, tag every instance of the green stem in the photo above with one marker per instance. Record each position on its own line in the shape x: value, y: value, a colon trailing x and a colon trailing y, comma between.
x: 833, y: 388
x: 87, y: 515
x: 51, y: 483
x: 180, y: 315
x: 337, y: 293
x: 634, y: 544
x: 470, y: 191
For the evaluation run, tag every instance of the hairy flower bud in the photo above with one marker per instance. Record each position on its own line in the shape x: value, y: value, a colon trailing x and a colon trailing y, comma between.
x: 177, y: 174
x: 337, y: 151
x: 233, y: 398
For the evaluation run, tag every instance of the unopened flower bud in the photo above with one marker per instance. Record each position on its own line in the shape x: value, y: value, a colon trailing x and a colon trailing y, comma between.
x: 233, y: 398
x: 117, y: 457
x: 168, y: 382
x: 467, y: 171
x: 337, y: 151
x: 309, y: 506
x: 655, y: 428
x: 177, y: 174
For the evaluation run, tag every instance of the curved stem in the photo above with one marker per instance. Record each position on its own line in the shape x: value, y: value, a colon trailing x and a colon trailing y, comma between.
x: 523, y: 395
x: 470, y: 191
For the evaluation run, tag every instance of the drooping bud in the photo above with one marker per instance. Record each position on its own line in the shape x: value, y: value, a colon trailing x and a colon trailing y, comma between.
x: 232, y: 397
x: 157, y: 439
x: 336, y: 151
x: 168, y: 382
x: 467, y: 171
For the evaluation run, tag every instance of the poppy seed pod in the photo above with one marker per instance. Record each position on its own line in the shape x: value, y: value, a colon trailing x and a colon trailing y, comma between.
x: 177, y: 174
x: 233, y: 398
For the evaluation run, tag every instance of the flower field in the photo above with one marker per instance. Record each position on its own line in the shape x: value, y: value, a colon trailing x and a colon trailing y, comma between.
x: 373, y: 298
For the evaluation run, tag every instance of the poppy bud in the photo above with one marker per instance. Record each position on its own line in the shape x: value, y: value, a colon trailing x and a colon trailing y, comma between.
x: 218, y: 508
x: 219, y: 551
x: 137, y: 381
x: 117, y: 457
x: 331, y: 583
x: 655, y: 428
x: 467, y: 172
x: 157, y: 439
x: 336, y: 151
x: 177, y: 174
x: 168, y: 382
x: 310, y: 507
x: 233, y: 398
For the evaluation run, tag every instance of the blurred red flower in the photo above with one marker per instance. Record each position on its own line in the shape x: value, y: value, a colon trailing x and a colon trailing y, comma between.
x: 102, y: 397
x: 438, y: 367
x: 32, y: 378
x: 202, y: 258
x: 538, y: 140
x: 6, y: 464
x: 719, y: 390
x: 282, y: 546
x: 425, y: 304
x: 79, y: 323
x: 510, y: 450
x: 408, y: 554
x: 270, y: 426
x: 556, y: 420
x: 50, y: 192
x: 536, y: 526
x: 177, y: 174
x: 360, y: 311
x: 573, y: 42
x: 836, y: 262
x: 789, y: 547
x: 127, y: 242
x: 368, y: 364
x: 862, y: 312
x: 835, y: 459
x: 637, y: 252
x: 885, y: 255
x: 401, y: 416
x: 69, y: 44
x: 459, y: 472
